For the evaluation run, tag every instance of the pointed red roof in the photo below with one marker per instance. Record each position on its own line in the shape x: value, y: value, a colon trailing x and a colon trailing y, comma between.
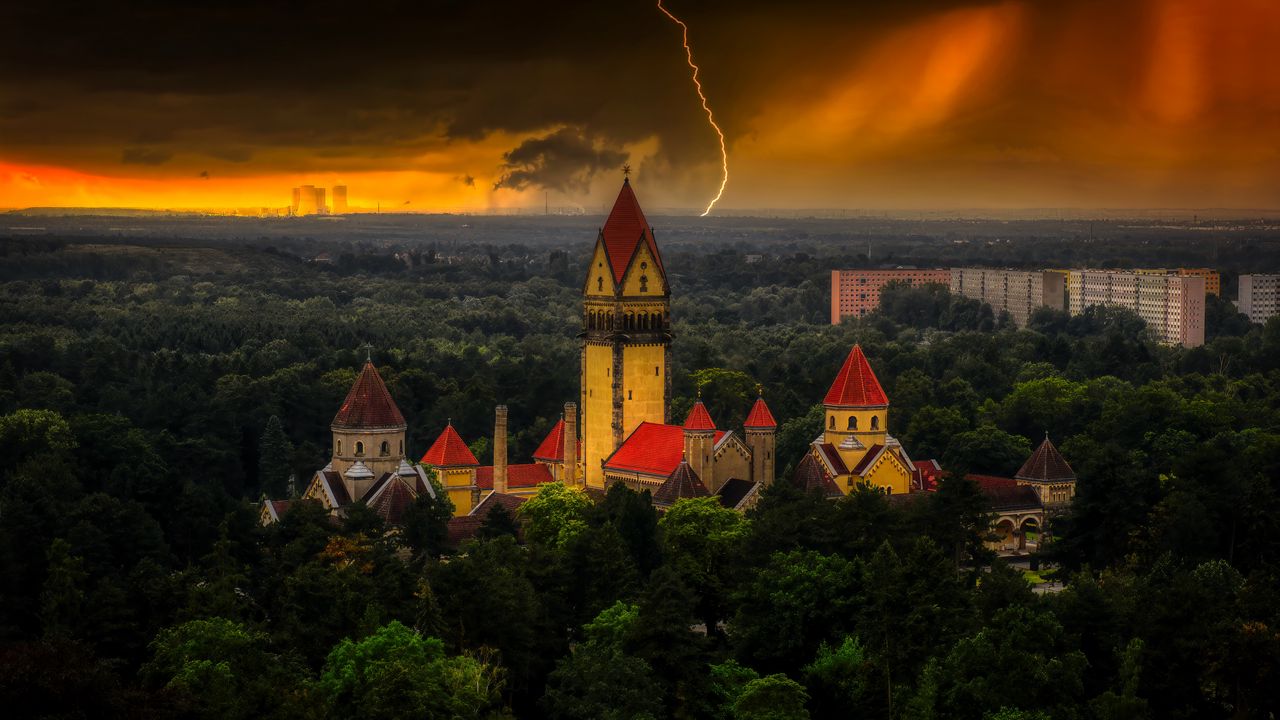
x: 699, y: 418
x: 552, y: 447
x: 760, y: 417
x: 856, y: 385
x: 449, y: 451
x: 624, y: 230
x: 368, y: 404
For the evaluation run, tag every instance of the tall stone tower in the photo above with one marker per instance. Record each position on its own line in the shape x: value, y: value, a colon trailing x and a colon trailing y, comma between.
x: 857, y: 410
x: 762, y: 436
x: 626, y: 335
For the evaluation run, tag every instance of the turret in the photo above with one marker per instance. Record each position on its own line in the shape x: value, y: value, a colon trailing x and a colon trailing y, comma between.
x: 761, y: 432
x: 699, y: 440
x: 368, y: 429
x: 857, y: 409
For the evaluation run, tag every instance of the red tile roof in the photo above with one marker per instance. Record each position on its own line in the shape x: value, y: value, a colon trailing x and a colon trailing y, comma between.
x: 368, y: 404
x: 834, y: 461
x: 518, y: 476
x: 624, y: 230
x: 699, y: 418
x: 552, y: 447
x: 856, y: 385
x: 760, y: 417
x: 1046, y: 464
x: 653, y: 449
x: 465, y: 527
x: 930, y: 471
x: 682, y: 483
x: 449, y: 451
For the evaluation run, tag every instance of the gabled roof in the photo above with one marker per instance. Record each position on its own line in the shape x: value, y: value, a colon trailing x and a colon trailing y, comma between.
x: 929, y: 471
x: 449, y: 451
x: 856, y: 384
x: 682, y: 483
x: 652, y: 449
x: 518, y: 476
x: 699, y: 418
x: 1046, y: 464
x: 811, y: 476
x: 873, y: 454
x: 623, y: 232
x: 368, y: 404
x: 835, y: 463
x: 734, y: 491
x: 552, y: 447
x: 506, y: 500
x: 760, y: 417
x: 331, y: 484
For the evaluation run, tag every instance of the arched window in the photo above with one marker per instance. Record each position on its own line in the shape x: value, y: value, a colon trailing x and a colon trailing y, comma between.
x: 853, y: 422
x: 644, y: 283
x: 339, y: 447
x: 875, y: 422
x: 600, y: 284
x: 385, y: 450
x: 359, y: 449
x: 401, y: 447
x: 832, y: 422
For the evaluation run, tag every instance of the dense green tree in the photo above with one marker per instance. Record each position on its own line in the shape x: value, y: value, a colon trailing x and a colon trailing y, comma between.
x: 555, y: 515
x: 986, y: 450
x: 772, y: 697
x: 700, y: 538
x: 274, y: 456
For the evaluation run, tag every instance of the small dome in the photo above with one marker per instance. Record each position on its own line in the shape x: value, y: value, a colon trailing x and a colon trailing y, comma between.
x: 359, y: 471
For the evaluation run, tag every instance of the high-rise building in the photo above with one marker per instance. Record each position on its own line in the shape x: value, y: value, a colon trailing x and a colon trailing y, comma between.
x: 1017, y: 292
x: 1171, y: 304
x: 855, y: 293
x: 339, y: 199
x: 1259, y: 295
x: 1212, y: 281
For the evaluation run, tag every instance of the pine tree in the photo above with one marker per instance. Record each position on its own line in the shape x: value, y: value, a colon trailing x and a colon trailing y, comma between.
x: 274, y: 452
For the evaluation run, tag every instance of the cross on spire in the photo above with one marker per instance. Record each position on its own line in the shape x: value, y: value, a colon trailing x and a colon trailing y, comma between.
x: 368, y: 352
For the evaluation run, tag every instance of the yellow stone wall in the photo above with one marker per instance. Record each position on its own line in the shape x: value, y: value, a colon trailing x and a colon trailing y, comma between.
x: 730, y: 462
x: 643, y: 266
x: 600, y: 279
x: 597, y: 410
x: 888, y: 472
x: 344, y: 450
x: 459, y: 483
x: 644, y: 396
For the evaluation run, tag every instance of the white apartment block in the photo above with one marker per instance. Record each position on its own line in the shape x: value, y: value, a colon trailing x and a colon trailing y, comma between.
x: 1018, y: 292
x: 1172, y: 305
x: 1258, y: 296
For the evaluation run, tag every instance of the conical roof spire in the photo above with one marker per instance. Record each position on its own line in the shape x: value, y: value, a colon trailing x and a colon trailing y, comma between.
x: 368, y: 404
x: 624, y: 230
x: 760, y: 417
x: 1046, y: 464
x: 856, y: 385
x: 682, y: 483
x: 699, y: 418
x: 449, y: 450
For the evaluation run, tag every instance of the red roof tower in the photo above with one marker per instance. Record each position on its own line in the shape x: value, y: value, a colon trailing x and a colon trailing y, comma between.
x: 760, y: 417
x: 624, y: 230
x: 856, y: 385
x: 368, y: 404
x: 699, y: 418
x: 449, y: 451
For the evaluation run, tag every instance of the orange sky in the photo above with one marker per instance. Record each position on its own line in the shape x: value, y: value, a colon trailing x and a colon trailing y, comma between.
x: 1155, y: 103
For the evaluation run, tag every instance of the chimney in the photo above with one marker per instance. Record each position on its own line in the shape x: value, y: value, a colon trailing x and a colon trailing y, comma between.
x: 570, y: 443
x: 500, y: 449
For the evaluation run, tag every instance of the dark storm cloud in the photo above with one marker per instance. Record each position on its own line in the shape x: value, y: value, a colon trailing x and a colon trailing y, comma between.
x: 563, y: 160
x: 378, y: 82
x: 145, y: 156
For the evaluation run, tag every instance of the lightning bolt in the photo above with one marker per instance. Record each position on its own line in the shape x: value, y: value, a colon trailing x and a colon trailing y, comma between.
x: 711, y: 118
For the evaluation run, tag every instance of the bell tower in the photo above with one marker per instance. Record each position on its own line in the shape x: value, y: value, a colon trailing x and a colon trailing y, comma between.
x: 626, y: 334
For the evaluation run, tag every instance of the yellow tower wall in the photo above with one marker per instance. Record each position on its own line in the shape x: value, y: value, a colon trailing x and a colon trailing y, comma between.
x: 597, y: 410
x: 644, y: 385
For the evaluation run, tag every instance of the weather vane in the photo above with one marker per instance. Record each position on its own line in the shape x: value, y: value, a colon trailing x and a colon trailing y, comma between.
x: 626, y: 170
